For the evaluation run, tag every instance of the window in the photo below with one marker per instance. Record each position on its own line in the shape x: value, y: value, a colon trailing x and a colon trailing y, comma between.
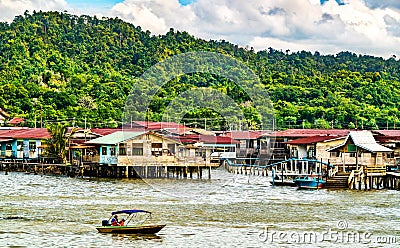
x: 104, y: 150
x: 137, y: 149
x: 171, y: 148
x: 334, y: 154
x: 250, y: 143
x: 390, y: 155
x: 122, y: 149
x: 156, y: 149
x: 351, y: 148
x: 112, y: 151
x: 311, y: 152
x: 20, y: 145
x: 9, y: 147
x: 295, y: 152
x: 352, y: 155
x: 200, y: 153
x: 32, y: 146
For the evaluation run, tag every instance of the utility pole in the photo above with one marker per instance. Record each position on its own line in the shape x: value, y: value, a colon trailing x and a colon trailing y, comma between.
x: 41, y: 117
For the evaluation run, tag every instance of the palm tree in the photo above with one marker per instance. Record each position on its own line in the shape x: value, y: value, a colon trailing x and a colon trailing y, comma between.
x: 58, y: 142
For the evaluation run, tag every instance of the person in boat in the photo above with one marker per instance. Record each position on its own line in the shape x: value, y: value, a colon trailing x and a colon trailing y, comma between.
x: 114, y: 221
x: 122, y: 222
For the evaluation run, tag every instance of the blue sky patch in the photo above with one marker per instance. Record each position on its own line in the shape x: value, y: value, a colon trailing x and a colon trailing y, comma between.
x: 186, y: 2
x: 340, y: 2
x: 99, y: 4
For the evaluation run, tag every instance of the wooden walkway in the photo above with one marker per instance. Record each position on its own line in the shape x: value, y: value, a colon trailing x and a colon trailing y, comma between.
x: 147, y: 170
x: 365, y: 178
x: 284, y: 170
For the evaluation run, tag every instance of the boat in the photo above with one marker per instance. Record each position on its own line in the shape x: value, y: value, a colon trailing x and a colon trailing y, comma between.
x: 281, y: 181
x: 309, y: 182
x: 284, y: 183
x: 133, y: 224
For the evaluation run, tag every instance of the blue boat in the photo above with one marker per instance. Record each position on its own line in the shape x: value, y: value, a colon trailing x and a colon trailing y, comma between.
x: 309, y: 182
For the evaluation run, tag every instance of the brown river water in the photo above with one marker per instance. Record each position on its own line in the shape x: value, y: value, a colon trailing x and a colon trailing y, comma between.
x: 227, y: 211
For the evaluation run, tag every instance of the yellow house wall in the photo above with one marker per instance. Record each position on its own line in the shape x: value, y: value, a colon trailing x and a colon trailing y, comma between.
x: 321, y: 149
x: 146, y: 140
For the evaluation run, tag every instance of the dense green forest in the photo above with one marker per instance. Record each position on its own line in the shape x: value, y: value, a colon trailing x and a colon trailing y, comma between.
x: 60, y: 67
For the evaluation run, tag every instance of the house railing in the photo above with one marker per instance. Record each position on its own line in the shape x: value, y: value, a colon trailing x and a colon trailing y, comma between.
x: 355, y: 174
x: 375, y: 170
x: 332, y: 171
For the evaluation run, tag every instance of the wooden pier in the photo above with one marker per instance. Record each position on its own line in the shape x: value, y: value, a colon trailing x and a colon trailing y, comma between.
x: 364, y: 178
x: 285, y: 170
x: 377, y: 177
x: 152, y: 170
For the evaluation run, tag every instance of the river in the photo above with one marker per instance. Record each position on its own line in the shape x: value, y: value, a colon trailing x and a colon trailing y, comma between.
x: 227, y: 211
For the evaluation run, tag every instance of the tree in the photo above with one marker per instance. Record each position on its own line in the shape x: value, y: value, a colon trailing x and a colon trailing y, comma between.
x: 57, y: 144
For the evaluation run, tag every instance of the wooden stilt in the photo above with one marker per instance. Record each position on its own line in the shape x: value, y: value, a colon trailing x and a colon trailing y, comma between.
x: 370, y: 183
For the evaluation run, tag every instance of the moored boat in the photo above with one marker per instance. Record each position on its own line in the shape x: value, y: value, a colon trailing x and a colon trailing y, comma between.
x: 283, y: 183
x: 133, y: 224
x: 309, y: 182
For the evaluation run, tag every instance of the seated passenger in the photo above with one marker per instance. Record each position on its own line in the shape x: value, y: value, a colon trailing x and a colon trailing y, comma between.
x: 114, y: 221
x: 122, y: 222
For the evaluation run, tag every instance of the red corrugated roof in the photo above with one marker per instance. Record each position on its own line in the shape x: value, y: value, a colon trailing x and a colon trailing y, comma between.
x: 206, y: 139
x: 25, y: 133
x: 391, y: 133
x: 241, y: 135
x: 387, y: 139
x: 105, y: 131
x: 33, y: 133
x: 16, y: 121
x: 8, y: 133
x: 311, y: 140
x: 298, y: 133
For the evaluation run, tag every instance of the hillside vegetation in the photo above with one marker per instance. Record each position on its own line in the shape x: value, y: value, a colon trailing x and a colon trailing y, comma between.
x: 61, y: 67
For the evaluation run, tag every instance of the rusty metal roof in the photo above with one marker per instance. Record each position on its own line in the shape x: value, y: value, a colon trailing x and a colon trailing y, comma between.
x: 299, y: 133
x: 312, y: 140
x: 25, y: 133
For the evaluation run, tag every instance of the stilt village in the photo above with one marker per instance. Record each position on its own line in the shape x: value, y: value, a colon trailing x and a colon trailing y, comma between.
x: 346, y: 159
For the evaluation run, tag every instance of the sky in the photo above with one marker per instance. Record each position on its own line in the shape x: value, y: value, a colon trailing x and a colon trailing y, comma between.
x: 328, y: 26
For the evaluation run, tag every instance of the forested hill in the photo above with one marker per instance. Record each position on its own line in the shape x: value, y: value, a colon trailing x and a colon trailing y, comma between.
x: 68, y: 68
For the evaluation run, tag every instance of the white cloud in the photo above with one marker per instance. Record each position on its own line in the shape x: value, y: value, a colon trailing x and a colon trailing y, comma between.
x: 361, y: 26
x: 11, y: 8
x: 158, y: 16
x: 282, y: 24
